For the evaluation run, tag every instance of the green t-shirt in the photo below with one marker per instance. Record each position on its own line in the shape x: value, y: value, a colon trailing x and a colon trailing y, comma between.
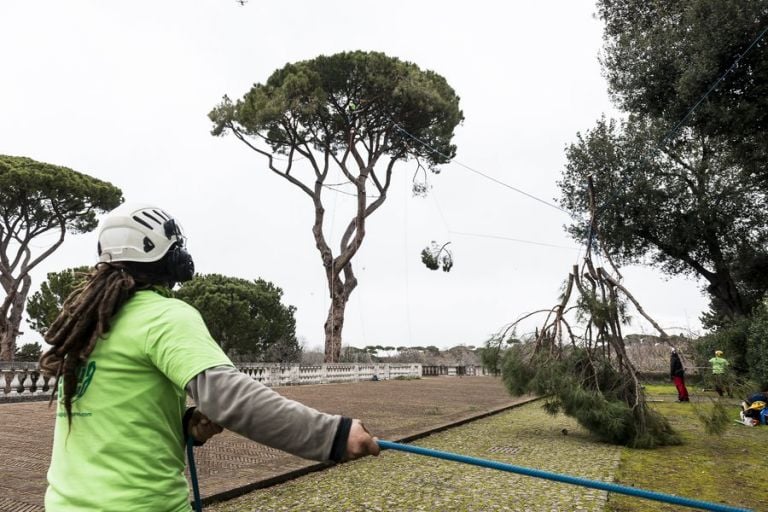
x: 718, y: 365
x: 125, y: 451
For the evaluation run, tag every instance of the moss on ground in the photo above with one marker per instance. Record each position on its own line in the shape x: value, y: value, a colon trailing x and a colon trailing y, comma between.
x: 730, y: 469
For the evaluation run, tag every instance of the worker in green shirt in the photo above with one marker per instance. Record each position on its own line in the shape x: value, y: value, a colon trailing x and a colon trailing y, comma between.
x: 126, y: 356
x: 720, y: 373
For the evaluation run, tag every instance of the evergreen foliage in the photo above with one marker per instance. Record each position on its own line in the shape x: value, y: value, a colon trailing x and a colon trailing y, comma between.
x: 660, y: 57
x: 44, y: 306
x: 584, y: 370
x: 757, y: 346
x: 492, y: 354
x: 732, y: 340
x: 247, y: 318
x: 585, y: 385
x: 435, y: 256
x: 716, y: 420
x: 28, y: 353
x: 689, y: 201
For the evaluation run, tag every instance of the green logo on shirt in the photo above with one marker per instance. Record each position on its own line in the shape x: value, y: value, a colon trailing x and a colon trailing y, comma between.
x: 84, y: 377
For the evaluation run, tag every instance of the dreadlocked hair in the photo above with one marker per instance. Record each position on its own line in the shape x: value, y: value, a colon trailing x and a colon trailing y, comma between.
x: 85, y: 318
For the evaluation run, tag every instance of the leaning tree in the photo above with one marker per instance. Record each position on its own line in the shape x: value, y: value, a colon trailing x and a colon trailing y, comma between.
x: 578, y: 358
x: 362, y: 112
x: 39, y: 202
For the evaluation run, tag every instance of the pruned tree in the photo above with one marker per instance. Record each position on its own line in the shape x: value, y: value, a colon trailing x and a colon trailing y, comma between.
x: 39, y: 202
x: 362, y: 112
x: 45, y: 305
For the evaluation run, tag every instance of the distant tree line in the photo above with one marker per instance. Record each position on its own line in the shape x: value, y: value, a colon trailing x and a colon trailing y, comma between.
x: 461, y: 355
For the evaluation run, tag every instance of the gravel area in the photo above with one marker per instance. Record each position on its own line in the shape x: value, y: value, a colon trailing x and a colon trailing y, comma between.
x: 397, y: 481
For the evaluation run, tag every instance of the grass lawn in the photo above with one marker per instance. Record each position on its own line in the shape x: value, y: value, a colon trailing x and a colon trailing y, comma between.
x: 731, y: 469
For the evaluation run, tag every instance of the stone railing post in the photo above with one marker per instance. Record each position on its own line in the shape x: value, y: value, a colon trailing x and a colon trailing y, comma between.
x: 8, y: 379
x: 22, y: 378
x: 295, y: 374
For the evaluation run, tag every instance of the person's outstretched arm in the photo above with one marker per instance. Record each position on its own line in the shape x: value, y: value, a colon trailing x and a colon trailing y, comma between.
x: 238, y: 403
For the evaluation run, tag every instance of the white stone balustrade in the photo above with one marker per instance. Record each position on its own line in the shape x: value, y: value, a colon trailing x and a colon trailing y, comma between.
x: 274, y: 374
x: 23, y: 381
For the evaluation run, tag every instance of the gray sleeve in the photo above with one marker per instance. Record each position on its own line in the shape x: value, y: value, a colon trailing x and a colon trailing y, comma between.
x: 238, y: 403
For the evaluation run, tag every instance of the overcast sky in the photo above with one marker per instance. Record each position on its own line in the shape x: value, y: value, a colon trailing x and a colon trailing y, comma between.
x: 121, y: 91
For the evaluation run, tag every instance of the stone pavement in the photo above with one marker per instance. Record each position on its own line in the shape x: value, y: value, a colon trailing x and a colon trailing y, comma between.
x: 229, y: 464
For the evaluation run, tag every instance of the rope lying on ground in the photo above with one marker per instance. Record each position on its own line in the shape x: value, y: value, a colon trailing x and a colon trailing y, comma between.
x: 557, y: 477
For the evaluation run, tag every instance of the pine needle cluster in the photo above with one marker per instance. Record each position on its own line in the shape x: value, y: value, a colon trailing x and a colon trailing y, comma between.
x: 584, y: 385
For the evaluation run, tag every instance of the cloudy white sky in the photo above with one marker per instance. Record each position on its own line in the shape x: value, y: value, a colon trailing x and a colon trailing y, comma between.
x: 121, y: 91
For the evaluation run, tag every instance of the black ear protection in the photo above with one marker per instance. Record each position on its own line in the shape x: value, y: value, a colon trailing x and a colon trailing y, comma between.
x: 179, y: 264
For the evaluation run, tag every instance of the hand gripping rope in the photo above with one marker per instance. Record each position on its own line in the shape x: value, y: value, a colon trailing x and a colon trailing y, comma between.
x: 557, y: 477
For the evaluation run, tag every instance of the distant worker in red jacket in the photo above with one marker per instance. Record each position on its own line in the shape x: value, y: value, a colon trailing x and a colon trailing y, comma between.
x: 677, y: 372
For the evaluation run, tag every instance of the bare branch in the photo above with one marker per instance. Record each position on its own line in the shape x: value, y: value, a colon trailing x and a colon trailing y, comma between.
x: 270, y: 158
x: 639, y: 308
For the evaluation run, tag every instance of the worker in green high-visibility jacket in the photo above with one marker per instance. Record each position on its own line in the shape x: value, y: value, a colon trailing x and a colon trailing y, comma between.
x: 720, y: 379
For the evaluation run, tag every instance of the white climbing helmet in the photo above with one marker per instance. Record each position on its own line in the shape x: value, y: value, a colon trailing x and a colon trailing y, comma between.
x: 138, y: 232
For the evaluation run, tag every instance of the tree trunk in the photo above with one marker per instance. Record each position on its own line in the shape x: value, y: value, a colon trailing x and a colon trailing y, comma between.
x: 10, y: 332
x: 723, y: 288
x: 7, y: 344
x: 340, y: 291
x: 333, y: 327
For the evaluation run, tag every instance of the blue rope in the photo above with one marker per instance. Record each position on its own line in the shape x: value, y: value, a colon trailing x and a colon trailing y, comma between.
x: 557, y: 477
x: 193, y: 474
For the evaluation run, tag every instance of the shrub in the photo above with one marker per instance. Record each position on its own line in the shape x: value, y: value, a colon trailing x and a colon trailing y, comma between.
x: 757, y: 346
x: 732, y: 340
